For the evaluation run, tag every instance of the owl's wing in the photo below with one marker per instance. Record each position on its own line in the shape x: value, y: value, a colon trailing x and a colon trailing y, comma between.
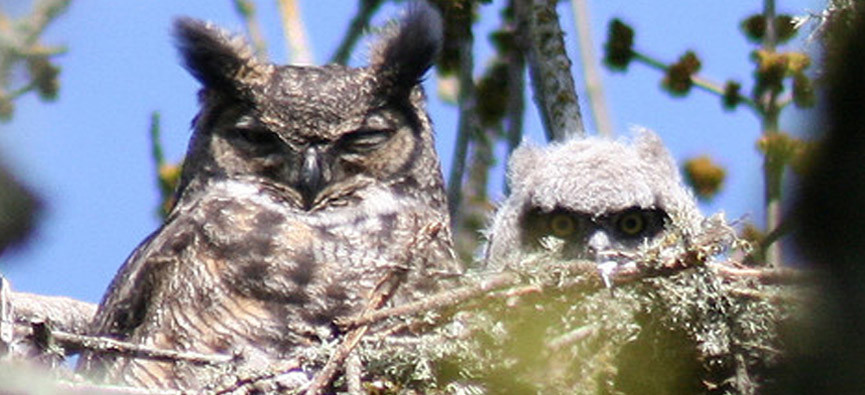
x: 123, y: 307
x: 126, y: 302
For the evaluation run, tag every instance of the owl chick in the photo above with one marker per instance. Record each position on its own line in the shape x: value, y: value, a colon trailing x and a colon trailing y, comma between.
x: 590, y: 198
x: 301, y: 189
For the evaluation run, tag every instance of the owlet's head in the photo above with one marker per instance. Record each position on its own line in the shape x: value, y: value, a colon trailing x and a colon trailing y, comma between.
x: 590, y: 198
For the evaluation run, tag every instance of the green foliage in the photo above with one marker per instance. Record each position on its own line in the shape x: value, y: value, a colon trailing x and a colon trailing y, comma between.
x: 167, y: 174
x: 782, y: 148
x: 774, y: 67
x: 695, y: 331
x: 21, y: 50
x: 458, y: 16
x: 245, y: 8
x: 678, y: 79
x: 732, y: 95
x: 44, y: 75
x: 704, y: 176
x: 754, y: 28
x: 620, y: 45
x: 492, y: 94
x: 803, y: 91
x: 19, y: 210
x: 772, y: 72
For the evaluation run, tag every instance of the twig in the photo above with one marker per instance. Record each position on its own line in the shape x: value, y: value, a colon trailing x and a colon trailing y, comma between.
x: 69, y: 320
x: 353, y: 372
x: 765, y: 276
x: 254, y: 378
x: 550, y: 69
x: 381, y: 294
x: 383, y: 291
x: 773, y: 168
x: 571, y: 337
x: 246, y: 9
x: 700, y: 82
x: 42, y: 15
x: 65, y: 314
x: 468, y: 122
x: 438, y: 301
x: 295, y: 34
x: 358, y: 24
x: 6, y: 316
x: 515, y: 109
x: 21, y: 44
x: 594, y: 86
x: 67, y: 387
x: 165, y: 189
x: 583, y: 274
x: 522, y: 290
x: 516, y: 69
x: 107, y: 345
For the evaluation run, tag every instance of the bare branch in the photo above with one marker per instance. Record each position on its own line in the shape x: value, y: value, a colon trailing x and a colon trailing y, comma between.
x: 295, y: 33
x: 773, y: 169
x: 64, y: 314
x: 700, y: 82
x: 594, y: 86
x: 358, y: 24
x: 108, y: 345
x: 353, y: 373
x: 438, y: 301
x: 6, y: 316
x: 515, y: 109
x: 286, y: 367
x: 550, y: 69
x: 765, y: 276
x: 571, y: 337
x: 246, y: 9
x: 67, y: 387
x: 468, y: 123
x: 383, y: 291
x: 43, y: 14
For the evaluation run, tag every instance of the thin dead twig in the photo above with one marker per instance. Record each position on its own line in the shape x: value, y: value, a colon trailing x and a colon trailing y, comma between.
x: 295, y: 32
x: 468, y: 125
x: 781, y: 275
x: 356, y: 27
x: 250, y: 379
x: 594, y: 85
x: 246, y: 9
x: 108, y: 345
x: 383, y: 291
x: 571, y: 337
x: 438, y: 301
x: 65, y: 314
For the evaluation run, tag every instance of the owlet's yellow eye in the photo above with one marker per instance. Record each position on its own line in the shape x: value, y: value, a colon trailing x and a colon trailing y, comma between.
x: 562, y: 225
x: 632, y: 223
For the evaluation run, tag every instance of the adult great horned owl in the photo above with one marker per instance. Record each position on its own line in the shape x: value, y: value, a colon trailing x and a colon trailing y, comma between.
x: 590, y: 198
x: 302, y: 188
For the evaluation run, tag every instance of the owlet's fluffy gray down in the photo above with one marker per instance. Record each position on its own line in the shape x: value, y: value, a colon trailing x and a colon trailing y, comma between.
x: 302, y: 188
x: 590, y: 198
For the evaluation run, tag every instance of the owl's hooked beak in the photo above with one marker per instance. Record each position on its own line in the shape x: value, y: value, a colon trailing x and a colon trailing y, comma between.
x: 311, y: 180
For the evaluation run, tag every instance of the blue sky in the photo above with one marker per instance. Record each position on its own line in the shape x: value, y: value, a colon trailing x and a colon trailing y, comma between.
x: 88, y: 153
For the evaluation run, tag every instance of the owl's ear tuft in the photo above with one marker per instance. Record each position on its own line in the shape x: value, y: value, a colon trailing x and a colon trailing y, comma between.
x: 653, y: 150
x: 408, y: 49
x: 215, y: 58
x: 523, y: 159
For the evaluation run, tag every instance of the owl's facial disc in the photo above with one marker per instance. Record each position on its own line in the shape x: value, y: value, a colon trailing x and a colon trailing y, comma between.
x: 324, y: 165
x: 586, y: 236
